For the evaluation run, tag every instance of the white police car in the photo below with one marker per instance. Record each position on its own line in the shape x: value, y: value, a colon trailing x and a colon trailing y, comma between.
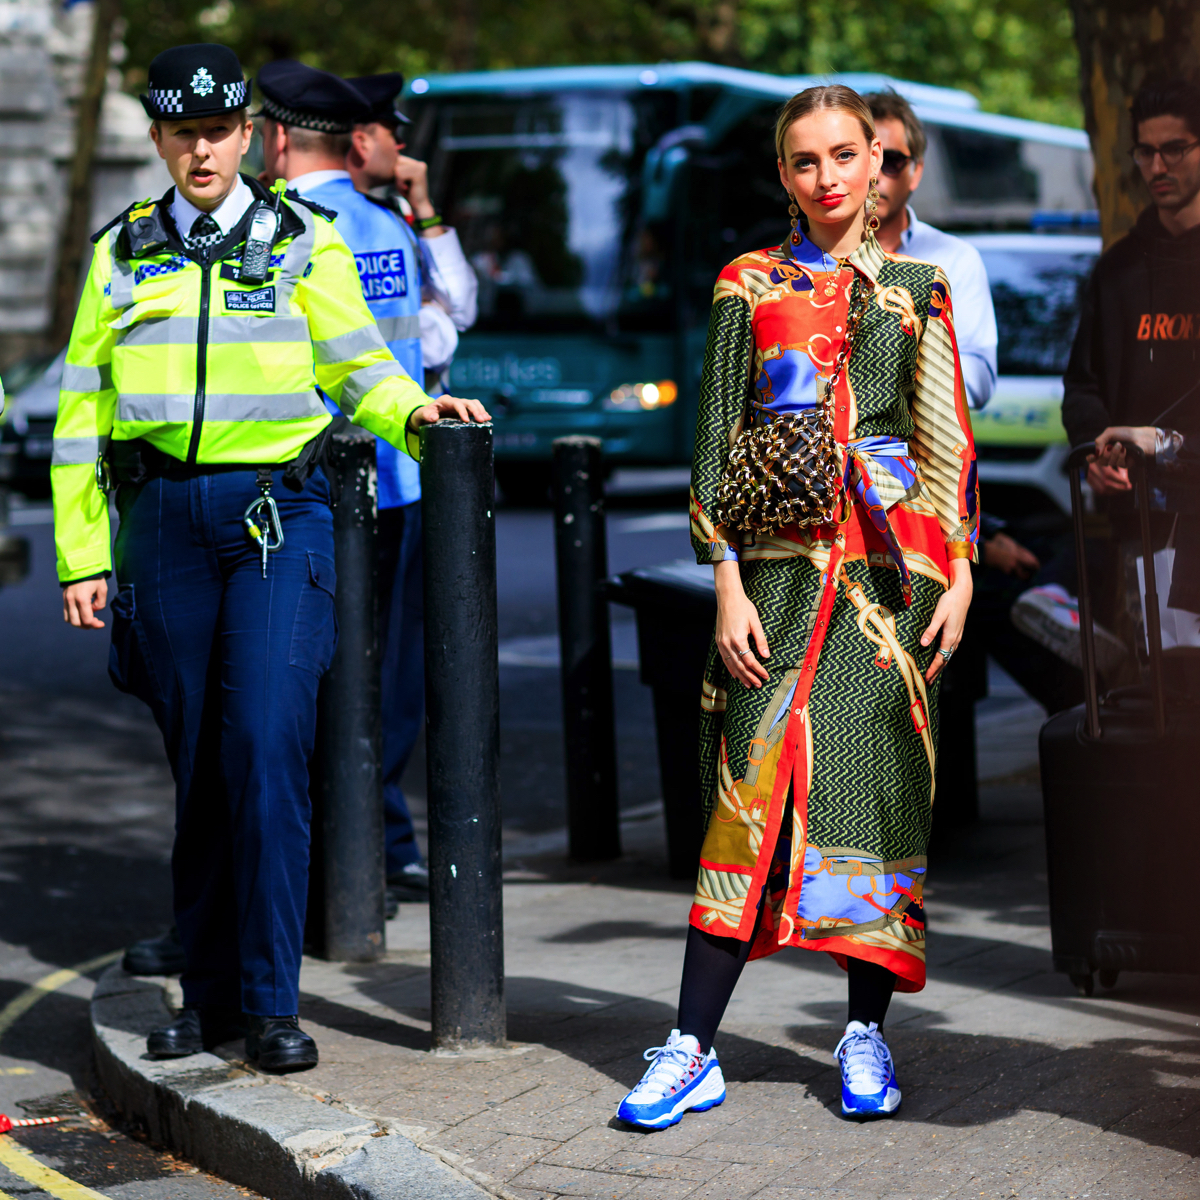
x: 1037, y: 282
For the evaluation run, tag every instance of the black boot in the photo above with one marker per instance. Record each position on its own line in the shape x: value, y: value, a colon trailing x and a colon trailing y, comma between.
x: 162, y: 955
x: 196, y: 1029
x: 279, y: 1044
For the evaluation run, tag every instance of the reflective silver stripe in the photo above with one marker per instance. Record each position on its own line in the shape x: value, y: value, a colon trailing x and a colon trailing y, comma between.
x: 77, y: 451
x: 349, y: 346
x: 394, y: 328
x: 225, y: 331
x: 120, y: 293
x: 162, y: 331
x: 222, y: 331
x: 295, y: 258
x: 86, y: 379
x: 359, y: 383
x: 172, y: 409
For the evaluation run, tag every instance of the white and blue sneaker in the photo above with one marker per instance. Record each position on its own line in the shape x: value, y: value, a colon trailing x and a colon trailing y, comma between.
x: 680, y: 1079
x: 869, y: 1087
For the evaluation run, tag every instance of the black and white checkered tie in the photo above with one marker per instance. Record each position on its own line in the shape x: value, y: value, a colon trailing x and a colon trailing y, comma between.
x: 204, y: 235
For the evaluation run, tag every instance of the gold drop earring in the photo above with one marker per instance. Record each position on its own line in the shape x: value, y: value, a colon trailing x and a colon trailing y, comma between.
x: 871, y: 224
x: 794, y: 213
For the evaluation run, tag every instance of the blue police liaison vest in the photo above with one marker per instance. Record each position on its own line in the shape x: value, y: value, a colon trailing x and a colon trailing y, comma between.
x: 389, y: 266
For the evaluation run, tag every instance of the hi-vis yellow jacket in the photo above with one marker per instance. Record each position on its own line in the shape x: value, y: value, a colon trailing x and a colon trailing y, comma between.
x: 209, y: 369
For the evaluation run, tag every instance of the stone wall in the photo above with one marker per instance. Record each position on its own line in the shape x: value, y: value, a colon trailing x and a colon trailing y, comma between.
x: 43, y: 49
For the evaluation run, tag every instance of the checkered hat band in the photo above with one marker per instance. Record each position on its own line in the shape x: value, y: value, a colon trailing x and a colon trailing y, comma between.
x: 167, y: 100
x: 302, y: 120
x: 235, y: 94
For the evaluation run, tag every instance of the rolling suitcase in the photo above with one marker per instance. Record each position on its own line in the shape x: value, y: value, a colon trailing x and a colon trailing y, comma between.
x: 1120, y: 782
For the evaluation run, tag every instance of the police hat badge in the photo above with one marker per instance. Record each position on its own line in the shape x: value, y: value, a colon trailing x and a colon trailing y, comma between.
x: 202, y: 80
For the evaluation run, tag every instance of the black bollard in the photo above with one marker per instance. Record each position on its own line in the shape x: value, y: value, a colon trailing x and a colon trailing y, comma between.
x: 462, y: 739
x: 581, y: 555
x: 351, y: 822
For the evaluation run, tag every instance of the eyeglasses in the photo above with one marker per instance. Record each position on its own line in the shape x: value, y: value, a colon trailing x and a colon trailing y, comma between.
x: 894, y: 162
x: 1171, y: 153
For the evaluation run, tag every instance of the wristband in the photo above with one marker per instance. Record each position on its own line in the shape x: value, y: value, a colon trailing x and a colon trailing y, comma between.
x: 424, y: 223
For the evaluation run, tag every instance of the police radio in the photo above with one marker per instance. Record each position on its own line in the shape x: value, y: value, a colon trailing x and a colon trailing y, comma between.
x: 264, y: 225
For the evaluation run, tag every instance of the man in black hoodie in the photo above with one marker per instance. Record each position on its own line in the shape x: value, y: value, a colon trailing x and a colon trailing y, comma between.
x: 1136, y: 357
x: 1138, y: 345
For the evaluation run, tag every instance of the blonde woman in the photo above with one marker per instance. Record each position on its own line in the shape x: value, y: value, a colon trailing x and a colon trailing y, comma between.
x: 818, y: 712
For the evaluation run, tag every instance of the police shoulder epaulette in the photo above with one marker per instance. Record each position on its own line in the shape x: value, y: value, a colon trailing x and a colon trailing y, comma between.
x: 328, y: 213
x: 118, y: 219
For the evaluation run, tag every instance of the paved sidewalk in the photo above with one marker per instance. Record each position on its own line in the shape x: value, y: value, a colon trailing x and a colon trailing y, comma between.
x: 1014, y: 1086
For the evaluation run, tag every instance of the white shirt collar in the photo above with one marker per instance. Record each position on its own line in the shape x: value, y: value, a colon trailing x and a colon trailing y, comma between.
x: 314, y: 179
x: 227, y: 214
x: 911, y: 228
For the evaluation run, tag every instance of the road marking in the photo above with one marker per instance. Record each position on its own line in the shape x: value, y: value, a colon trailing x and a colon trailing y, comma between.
x: 20, y: 1004
x: 31, y: 516
x: 12, y: 1155
x: 658, y: 523
x: 20, y: 1162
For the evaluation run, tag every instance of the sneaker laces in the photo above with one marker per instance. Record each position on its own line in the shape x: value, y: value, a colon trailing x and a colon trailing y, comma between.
x: 673, y: 1065
x: 866, y: 1059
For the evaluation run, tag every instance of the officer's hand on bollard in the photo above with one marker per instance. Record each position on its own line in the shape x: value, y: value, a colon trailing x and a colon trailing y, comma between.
x: 449, y: 408
x: 82, y: 600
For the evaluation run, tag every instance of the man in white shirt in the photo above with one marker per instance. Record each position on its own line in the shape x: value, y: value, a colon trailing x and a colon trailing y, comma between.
x: 900, y: 232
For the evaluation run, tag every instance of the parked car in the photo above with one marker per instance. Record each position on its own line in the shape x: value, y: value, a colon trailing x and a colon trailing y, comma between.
x: 27, y: 431
x: 1037, y: 282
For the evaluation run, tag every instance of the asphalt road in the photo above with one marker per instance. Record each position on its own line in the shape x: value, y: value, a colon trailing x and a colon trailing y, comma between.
x: 86, y: 826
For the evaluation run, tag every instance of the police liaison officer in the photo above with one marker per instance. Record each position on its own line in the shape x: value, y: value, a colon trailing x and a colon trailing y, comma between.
x: 314, y: 127
x: 208, y: 321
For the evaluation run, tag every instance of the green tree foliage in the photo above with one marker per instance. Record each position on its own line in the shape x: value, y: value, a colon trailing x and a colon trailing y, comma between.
x: 1017, y: 56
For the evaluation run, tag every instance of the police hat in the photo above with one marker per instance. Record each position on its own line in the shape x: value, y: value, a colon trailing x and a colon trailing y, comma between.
x: 381, y: 93
x: 294, y: 94
x: 194, y: 81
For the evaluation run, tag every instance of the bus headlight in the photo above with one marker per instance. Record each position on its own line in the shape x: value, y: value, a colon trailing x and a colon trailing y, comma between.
x: 649, y: 396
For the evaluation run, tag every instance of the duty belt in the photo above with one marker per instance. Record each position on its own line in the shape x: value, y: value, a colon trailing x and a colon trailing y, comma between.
x: 138, y: 461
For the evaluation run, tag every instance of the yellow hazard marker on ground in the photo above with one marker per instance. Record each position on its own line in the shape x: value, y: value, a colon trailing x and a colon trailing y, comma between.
x: 12, y: 1155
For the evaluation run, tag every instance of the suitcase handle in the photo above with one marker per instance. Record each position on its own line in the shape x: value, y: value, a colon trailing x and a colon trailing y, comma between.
x: 1139, y: 470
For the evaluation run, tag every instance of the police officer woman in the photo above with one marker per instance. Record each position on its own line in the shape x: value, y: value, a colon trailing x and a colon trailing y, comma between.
x: 208, y: 321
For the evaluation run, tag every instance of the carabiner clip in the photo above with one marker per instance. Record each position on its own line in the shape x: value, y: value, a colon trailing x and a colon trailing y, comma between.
x: 263, y: 526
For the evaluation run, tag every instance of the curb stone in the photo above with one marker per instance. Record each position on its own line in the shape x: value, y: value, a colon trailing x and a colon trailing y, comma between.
x: 248, y: 1128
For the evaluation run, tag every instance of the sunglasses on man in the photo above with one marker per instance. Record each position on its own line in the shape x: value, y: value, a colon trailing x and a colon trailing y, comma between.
x: 1171, y: 153
x: 894, y: 162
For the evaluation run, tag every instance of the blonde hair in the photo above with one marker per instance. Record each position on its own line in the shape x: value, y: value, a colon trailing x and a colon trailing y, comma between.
x: 829, y: 97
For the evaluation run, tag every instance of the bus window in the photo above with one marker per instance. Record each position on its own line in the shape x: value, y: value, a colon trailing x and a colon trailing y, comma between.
x: 735, y: 202
x: 545, y: 194
x: 984, y: 167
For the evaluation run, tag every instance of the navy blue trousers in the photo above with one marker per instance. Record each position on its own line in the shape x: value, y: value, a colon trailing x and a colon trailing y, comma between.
x: 229, y: 662
x: 402, y: 636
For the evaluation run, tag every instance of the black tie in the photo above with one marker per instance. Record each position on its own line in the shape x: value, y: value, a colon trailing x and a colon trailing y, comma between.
x: 205, y: 234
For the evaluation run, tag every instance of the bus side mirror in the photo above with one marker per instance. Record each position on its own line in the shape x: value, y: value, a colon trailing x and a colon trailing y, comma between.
x: 662, y: 167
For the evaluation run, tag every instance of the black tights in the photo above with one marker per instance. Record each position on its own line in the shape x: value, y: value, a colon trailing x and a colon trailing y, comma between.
x: 711, y: 966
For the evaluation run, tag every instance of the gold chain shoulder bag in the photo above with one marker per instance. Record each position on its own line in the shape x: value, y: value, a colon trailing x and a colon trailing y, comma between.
x: 783, y: 469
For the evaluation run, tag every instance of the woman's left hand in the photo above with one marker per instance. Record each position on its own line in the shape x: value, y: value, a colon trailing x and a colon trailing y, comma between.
x: 950, y: 615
